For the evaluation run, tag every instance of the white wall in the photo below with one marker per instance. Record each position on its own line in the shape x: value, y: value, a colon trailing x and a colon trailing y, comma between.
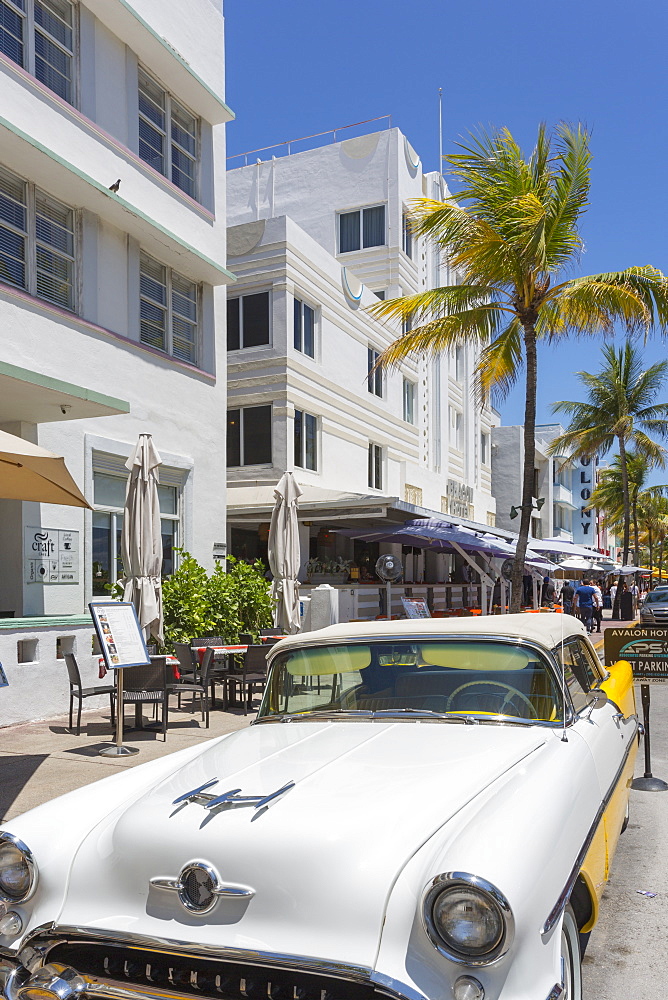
x: 74, y: 154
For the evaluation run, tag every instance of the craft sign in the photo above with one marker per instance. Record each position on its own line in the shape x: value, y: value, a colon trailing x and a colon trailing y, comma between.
x: 646, y: 649
x: 51, y: 555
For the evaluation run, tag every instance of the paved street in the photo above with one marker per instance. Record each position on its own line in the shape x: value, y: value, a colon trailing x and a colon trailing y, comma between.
x: 626, y: 957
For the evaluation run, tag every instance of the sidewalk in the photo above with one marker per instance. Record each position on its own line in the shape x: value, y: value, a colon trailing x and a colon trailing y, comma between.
x: 40, y: 760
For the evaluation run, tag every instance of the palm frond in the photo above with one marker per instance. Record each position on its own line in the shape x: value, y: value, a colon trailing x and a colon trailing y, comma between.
x: 500, y: 363
x: 443, y: 334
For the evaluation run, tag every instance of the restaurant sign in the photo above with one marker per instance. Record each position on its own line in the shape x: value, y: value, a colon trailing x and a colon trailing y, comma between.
x: 459, y: 499
x: 51, y: 555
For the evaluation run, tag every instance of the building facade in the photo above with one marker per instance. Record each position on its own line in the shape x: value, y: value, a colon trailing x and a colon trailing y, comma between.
x: 112, y: 275
x: 556, y: 483
x: 315, y: 239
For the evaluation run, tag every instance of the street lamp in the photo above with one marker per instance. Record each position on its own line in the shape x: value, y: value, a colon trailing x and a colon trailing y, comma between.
x: 535, y: 504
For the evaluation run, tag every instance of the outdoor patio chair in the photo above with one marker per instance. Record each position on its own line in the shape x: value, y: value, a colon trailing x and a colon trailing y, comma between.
x: 147, y: 685
x: 253, y: 675
x: 196, y: 687
x: 78, y: 691
x: 188, y: 662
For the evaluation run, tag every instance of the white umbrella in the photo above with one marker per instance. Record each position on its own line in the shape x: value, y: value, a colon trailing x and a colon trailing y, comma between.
x: 141, y: 540
x: 284, y: 553
x: 563, y: 546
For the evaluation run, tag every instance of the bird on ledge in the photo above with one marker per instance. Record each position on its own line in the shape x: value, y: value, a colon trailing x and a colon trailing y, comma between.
x: 115, y: 186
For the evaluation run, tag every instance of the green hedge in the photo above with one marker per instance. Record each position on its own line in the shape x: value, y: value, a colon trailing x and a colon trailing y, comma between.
x: 223, y: 603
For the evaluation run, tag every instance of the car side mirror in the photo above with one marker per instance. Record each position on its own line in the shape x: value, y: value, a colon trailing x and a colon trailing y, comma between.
x: 596, y: 698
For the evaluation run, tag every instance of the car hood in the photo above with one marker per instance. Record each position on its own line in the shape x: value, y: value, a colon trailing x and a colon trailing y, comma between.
x: 321, y: 859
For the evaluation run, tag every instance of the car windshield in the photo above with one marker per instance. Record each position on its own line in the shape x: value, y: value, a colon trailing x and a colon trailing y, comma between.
x: 445, y: 678
x: 657, y: 597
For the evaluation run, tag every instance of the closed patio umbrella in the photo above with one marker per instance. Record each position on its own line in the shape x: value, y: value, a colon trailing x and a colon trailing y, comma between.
x: 28, y: 472
x: 284, y: 553
x: 141, y: 540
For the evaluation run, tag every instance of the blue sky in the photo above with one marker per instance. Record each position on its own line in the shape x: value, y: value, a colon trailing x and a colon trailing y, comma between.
x: 296, y: 67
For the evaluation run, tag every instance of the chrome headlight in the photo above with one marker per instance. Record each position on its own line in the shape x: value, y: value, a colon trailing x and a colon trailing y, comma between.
x: 467, y: 919
x: 18, y: 871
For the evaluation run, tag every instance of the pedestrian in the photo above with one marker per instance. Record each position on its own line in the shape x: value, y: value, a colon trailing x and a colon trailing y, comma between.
x: 549, y: 592
x: 598, y: 607
x: 567, y: 595
x: 613, y: 591
x: 584, y: 604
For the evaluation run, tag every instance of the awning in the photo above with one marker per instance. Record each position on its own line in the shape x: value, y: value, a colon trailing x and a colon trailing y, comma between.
x: 254, y: 504
x: 31, y: 397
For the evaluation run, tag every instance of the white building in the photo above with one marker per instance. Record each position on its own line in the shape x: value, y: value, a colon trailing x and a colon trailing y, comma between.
x: 554, y: 483
x: 111, y: 300
x: 315, y: 239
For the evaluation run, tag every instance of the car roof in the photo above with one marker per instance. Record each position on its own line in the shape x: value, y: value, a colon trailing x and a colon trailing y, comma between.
x: 548, y: 629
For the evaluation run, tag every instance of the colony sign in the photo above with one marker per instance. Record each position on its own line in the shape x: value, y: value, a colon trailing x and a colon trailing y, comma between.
x: 51, y: 555
x: 646, y: 649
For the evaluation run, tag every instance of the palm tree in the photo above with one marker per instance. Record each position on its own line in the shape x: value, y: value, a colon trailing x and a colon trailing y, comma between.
x: 620, y: 409
x: 647, y: 503
x: 511, y: 240
x: 653, y: 520
x: 608, y: 495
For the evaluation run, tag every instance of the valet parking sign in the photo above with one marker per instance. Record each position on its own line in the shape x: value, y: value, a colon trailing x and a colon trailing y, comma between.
x: 51, y: 555
x: 646, y: 649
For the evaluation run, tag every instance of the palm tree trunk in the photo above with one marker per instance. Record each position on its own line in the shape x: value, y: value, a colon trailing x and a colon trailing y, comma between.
x: 529, y: 463
x: 627, y: 523
x: 651, y: 552
x: 636, y: 546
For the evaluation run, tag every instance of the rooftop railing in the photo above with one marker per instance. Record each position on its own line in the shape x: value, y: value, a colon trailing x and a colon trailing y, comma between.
x: 287, y: 148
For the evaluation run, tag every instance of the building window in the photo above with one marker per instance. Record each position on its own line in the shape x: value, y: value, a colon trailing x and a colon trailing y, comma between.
x: 375, y: 467
x: 248, y: 321
x: 168, y: 312
x: 362, y: 229
x: 37, y: 243
x: 409, y: 401
x: 374, y: 379
x: 168, y: 135
x: 460, y: 359
x: 407, y: 236
x: 456, y: 429
x: 249, y: 436
x: 380, y: 294
x: 109, y: 501
x: 304, y: 328
x: 306, y: 440
x: 484, y: 448
x: 39, y: 36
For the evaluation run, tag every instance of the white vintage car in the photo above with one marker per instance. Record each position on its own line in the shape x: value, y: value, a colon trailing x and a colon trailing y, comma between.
x: 423, y: 810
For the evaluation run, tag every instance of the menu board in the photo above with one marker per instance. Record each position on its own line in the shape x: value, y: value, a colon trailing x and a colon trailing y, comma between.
x: 119, y: 633
x: 416, y: 607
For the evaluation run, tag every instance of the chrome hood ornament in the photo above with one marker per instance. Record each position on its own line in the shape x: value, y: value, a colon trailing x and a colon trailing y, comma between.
x: 231, y: 798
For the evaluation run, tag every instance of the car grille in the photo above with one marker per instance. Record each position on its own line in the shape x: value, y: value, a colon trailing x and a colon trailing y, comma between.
x: 655, y: 614
x: 189, y: 975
